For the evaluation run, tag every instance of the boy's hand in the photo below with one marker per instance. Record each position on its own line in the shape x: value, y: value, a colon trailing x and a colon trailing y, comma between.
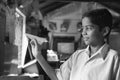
x: 35, y: 50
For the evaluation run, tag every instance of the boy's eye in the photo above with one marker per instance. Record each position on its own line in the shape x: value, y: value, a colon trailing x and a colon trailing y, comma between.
x: 88, y: 27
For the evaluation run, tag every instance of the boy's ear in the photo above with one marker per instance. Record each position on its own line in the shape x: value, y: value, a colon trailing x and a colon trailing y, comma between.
x: 105, y: 31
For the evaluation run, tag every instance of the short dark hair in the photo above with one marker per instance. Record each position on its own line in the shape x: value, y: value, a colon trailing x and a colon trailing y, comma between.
x: 101, y: 17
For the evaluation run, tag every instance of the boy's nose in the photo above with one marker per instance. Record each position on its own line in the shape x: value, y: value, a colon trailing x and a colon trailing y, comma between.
x: 84, y: 32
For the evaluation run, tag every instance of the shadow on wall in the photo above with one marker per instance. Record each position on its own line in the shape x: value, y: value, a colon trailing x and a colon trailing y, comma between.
x: 10, y: 59
x: 114, y: 40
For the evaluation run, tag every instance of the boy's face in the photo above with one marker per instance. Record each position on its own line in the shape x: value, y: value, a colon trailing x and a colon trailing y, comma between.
x: 91, y: 33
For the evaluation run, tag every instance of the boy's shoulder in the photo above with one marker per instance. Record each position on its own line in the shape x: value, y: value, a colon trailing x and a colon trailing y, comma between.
x: 79, y: 52
x: 114, y: 53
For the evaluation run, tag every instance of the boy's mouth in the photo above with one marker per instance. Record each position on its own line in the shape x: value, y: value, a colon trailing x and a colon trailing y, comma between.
x: 85, y: 38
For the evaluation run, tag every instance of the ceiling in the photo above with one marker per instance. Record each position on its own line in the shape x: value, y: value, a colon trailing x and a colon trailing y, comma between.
x: 46, y: 6
x: 112, y: 5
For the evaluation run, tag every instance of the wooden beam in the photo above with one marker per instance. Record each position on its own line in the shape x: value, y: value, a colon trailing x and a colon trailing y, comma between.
x: 52, y: 7
x: 80, y: 0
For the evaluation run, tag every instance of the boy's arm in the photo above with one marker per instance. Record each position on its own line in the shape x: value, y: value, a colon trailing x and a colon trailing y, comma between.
x: 118, y: 74
x: 46, y: 67
x: 116, y: 69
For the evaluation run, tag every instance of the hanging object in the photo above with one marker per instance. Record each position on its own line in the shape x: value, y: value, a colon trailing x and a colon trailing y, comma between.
x: 52, y: 26
x: 65, y: 25
x: 79, y: 26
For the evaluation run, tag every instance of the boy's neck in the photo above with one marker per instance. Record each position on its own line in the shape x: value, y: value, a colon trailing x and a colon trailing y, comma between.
x: 94, y: 49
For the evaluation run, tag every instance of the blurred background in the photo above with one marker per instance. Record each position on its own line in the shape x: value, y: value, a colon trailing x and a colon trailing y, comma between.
x: 56, y: 24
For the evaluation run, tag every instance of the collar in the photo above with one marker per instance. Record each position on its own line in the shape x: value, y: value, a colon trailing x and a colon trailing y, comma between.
x: 102, y: 52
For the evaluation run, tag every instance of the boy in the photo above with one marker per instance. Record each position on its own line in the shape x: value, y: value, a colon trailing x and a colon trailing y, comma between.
x: 97, y: 62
